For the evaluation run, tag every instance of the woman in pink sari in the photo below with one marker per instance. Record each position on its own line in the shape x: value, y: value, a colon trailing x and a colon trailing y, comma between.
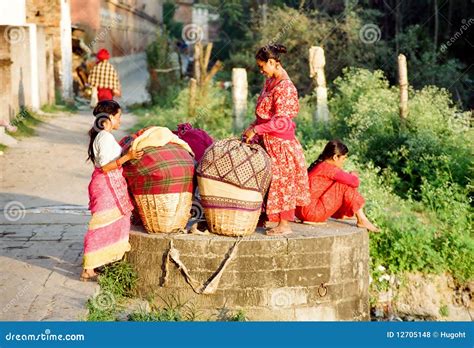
x: 106, y: 240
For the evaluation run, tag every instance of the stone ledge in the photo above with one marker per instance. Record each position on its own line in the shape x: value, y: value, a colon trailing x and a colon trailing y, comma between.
x: 270, y: 278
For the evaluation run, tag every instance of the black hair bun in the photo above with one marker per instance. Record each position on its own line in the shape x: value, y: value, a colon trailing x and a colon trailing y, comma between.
x: 277, y: 48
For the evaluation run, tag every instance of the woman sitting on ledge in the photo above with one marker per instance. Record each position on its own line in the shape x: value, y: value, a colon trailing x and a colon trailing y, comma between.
x: 333, y: 191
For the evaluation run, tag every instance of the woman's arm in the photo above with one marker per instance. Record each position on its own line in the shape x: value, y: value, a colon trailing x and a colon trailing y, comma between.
x: 346, y: 178
x: 119, y: 162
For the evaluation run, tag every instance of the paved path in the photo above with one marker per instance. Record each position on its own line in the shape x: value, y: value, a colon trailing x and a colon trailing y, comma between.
x: 43, y: 182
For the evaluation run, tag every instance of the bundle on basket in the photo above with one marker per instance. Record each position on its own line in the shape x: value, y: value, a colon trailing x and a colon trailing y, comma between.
x: 233, y: 178
x: 161, y: 182
x: 198, y: 139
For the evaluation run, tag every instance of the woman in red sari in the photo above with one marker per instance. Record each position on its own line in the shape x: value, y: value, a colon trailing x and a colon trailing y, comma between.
x: 276, y: 108
x: 333, y: 191
x: 106, y: 239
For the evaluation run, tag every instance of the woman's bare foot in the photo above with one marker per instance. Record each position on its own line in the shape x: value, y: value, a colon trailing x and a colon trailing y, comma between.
x: 363, y: 222
x: 283, y: 228
x: 369, y: 226
x: 89, y: 275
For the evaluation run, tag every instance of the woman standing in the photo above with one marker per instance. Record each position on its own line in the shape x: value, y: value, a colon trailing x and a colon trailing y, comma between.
x: 334, y: 191
x: 276, y: 107
x: 106, y: 240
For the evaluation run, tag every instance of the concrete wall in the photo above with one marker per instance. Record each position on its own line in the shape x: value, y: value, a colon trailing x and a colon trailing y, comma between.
x: 54, y: 15
x: 184, y: 11
x: 318, y: 273
x: 21, y: 73
x: 12, y: 14
x: 5, y: 76
x: 122, y: 28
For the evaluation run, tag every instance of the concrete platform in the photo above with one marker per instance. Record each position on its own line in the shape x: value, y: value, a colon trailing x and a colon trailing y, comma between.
x: 318, y: 273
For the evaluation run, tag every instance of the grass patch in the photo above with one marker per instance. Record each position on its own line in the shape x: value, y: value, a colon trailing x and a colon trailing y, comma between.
x: 25, y: 121
x: 444, y: 311
x: 3, y: 147
x: 119, y: 279
x: 156, y: 315
x: 116, y: 283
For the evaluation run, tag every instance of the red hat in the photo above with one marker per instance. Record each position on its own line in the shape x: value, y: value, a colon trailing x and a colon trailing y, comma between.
x: 103, y: 54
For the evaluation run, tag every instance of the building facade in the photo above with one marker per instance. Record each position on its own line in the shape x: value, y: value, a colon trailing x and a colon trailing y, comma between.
x: 122, y: 27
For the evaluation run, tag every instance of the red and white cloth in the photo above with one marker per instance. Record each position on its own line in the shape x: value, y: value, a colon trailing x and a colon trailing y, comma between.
x: 276, y: 107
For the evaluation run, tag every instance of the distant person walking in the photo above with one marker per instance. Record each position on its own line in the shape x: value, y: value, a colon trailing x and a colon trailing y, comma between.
x: 104, y: 77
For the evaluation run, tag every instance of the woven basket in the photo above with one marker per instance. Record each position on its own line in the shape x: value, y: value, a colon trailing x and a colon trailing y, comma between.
x: 229, y: 210
x: 165, y: 213
x: 234, y: 223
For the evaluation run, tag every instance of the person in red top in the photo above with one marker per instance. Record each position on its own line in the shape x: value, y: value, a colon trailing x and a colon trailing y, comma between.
x: 333, y: 191
x: 276, y: 108
x: 104, y: 77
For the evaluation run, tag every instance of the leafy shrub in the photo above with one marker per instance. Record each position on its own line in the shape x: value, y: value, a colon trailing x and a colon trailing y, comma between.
x: 364, y: 112
x: 119, y: 279
x: 213, y: 114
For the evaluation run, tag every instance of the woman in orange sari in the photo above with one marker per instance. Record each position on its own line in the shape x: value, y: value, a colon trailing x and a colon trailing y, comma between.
x: 106, y: 239
x: 276, y: 108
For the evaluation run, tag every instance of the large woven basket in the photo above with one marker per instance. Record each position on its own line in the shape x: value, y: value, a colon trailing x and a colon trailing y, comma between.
x: 233, y: 178
x: 234, y: 223
x: 164, y: 213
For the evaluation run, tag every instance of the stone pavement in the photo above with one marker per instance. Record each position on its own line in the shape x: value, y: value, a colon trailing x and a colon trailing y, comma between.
x: 43, y: 219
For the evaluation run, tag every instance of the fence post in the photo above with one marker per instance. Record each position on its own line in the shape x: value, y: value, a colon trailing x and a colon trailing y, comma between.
x: 403, y: 83
x: 192, y: 97
x: 197, y: 61
x: 317, y: 62
x: 239, y: 97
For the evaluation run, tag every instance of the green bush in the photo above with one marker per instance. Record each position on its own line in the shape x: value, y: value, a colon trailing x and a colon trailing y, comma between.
x: 213, y: 114
x: 163, y: 86
x: 431, y: 236
x: 433, y: 144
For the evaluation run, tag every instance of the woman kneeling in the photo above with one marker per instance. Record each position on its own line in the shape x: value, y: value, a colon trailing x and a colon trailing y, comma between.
x: 333, y: 191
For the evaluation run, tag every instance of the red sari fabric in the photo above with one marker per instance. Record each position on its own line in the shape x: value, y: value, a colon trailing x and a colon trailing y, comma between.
x: 276, y: 107
x: 106, y: 239
x: 333, y: 194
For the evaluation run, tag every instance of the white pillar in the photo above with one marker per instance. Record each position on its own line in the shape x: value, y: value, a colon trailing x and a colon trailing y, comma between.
x: 66, y: 51
x: 34, y: 79
x: 317, y: 62
x: 239, y: 97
